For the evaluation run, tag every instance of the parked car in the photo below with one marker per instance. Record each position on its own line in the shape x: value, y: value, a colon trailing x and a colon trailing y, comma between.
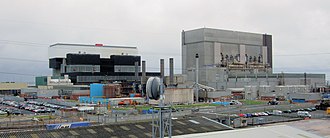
x: 260, y: 114
x: 241, y: 115
x: 234, y: 115
x: 269, y: 113
x: 3, y: 112
x: 294, y: 110
x: 304, y: 114
x: 264, y: 113
x: 195, y: 110
x: 308, y: 109
x: 287, y: 111
x: 235, y: 102
x: 49, y: 110
x: 300, y: 109
x: 248, y: 115
x: 313, y: 109
x: 17, y: 112
x: 255, y: 114
x: 8, y: 110
x: 39, y: 111
x: 277, y: 112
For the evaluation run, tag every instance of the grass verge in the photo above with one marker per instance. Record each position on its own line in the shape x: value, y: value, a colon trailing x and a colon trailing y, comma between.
x: 252, y: 102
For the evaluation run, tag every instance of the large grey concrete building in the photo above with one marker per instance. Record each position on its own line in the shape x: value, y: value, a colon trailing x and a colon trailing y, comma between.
x: 231, y: 50
x: 222, y: 48
x: 233, y: 59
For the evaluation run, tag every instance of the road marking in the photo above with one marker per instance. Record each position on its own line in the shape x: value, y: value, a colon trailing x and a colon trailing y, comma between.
x: 108, y: 129
x: 125, y: 128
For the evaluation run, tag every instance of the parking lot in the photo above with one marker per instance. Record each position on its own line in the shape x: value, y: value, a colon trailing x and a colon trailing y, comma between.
x: 57, y: 111
x: 27, y: 107
x: 263, y: 114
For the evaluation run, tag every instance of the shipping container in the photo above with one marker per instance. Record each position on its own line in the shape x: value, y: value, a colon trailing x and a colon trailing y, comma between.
x: 111, y: 90
x: 298, y: 100
x: 96, y: 90
x: 267, y: 98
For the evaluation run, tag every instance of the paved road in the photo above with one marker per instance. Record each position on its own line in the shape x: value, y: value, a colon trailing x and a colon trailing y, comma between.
x: 235, y: 109
x: 121, y: 118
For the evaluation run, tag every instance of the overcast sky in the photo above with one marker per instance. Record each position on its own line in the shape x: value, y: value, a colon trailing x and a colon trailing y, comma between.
x: 300, y: 29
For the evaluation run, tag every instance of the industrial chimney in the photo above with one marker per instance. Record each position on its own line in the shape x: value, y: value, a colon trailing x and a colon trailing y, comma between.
x: 136, y: 71
x: 171, y: 72
x: 143, y: 79
x: 162, y: 69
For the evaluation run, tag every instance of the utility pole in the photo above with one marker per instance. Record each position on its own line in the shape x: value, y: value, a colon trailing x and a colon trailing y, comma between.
x: 305, y: 78
x: 197, y: 86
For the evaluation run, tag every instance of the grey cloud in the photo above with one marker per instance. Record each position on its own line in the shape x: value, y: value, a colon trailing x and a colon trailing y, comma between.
x: 297, y: 26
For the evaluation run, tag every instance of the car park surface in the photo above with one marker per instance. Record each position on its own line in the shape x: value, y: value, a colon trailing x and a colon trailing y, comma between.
x: 28, y: 107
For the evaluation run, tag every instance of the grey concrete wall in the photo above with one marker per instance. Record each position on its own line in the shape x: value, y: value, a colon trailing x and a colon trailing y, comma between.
x: 251, y: 92
x: 306, y: 96
x: 47, y: 93
x: 193, y: 36
x: 218, y: 94
x: 228, y: 36
x: 178, y: 95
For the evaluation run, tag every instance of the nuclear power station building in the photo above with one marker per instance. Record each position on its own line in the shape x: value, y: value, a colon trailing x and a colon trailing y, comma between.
x: 222, y: 48
x: 232, y: 59
x: 85, y: 64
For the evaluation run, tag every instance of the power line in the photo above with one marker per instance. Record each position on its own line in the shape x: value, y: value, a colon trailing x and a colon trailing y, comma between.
x: 20, y: 59
x: 304, y: 54
x: 21, y: 43
x: 24, y: 42
x: 42, y: 45
x: 13, y: 73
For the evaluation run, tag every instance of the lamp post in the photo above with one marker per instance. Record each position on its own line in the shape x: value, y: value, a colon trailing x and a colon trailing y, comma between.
x: 196, y: 73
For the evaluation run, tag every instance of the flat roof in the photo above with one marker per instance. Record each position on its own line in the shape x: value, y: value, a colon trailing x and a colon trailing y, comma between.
x: 279, y: 131
x: 142, y: 129
x: 206, y: 28
x: 89, y: 45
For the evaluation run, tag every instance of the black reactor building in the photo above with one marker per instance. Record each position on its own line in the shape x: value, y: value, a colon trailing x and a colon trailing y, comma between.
x: 87, y: 64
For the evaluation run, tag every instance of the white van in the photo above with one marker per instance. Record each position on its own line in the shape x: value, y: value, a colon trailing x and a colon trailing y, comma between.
x: 304, y: 114
x: 277, y: 112
x: 235, y: 102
